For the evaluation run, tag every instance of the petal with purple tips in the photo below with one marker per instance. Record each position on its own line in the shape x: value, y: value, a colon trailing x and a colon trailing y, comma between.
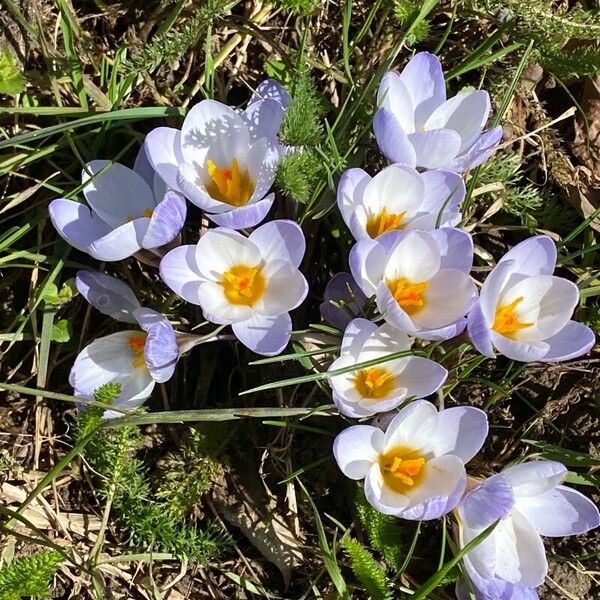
x: 392, y: 139
x: 264, y: 335
x: 166, y: 221
x: 121, y: 242
x: 491, y: 500
x: 244, y: 216
x: 264, y: 118
x: 572, y: 341
x: 433, y: 149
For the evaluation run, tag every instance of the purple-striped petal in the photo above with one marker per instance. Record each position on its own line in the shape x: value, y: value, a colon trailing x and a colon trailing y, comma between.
x: 109, y: 295
x: 491, y: 500
x: 121, y: 242
x: 76, y: 223
x: 392, y: 140
x: 244, y: 216
x: 143, y: 167
x: 478, y: 153
x: 479, y: 332
x: 264, y: 335
x: 163, y: 149
x: 433, y: 149
x: 166, y: 222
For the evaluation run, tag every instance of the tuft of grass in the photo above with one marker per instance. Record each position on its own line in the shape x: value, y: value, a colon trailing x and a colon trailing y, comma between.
x: 405, y: 12
x: 299, y: 7
x: 29, y: 575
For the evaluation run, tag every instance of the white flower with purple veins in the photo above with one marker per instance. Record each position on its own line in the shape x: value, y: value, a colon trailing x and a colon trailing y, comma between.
x: 416, y: 469
x: 529, y: 501
x: 129, y: 210
x: 250, y: 282
x: 420, y: 279
x: 343, y: 300
x: 399, y: 198
x: 416, y: 126
x: 135, y: 359
x: 371, y: 390
x: 524, y: 311
x: 221, y: 160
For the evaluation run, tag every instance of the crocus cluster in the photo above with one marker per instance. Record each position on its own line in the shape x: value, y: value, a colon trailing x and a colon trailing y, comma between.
x: 410, y: 270
x: 409, y: 285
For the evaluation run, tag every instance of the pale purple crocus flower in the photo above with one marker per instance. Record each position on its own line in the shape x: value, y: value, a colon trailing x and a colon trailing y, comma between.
x: 529, y: 501
x: 342, y: 301
x: 399, y: 198
x: 416, y: 469
x: 129, y: 210
x: 249, y: 282
x: 383, y: 387
x: 416, y: 125
x: 524, y: 311
x: 420, y: 279
x: 136, y: 359
x: 222, y: 160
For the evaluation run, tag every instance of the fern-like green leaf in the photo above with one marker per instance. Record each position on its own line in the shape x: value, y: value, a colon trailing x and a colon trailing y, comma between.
x: 29, y: 576
x: 367, y: 570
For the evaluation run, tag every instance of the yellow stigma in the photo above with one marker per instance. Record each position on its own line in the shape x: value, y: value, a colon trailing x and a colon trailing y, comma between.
x: 402, y: 468
x: 229, y: 184
x: 384, y: 221
x: 408, y: 294
x: 375, y: 383
x: 137, y: 343
x: 243, y: 285
x: 506, y: 322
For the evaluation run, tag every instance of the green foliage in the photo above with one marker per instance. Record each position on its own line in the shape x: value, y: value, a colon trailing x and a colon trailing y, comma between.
x: 367, y: 570
x: 57, y: 298
x: 580, y: 62
x: 169, y: 43
x: 12, y: 82
x: 61, y: 331
x: 152, y: 520
x: 383, y: 531
x: 298, y: 173
x: 405, y: 11
x: 29, y: 576
x: 299, y: 7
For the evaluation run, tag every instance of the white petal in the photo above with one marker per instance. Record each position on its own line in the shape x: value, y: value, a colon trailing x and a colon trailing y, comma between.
x: 415, y: 426
x: 380, y: 496
x: 350, y: 192
x: 355, y: 336
x: 367, y: 263
x: 394, y: 96
x: 535, y: 477
x: 213, y: 301
x: 286, y: 289
x: 416, y: 257
x: 280, y: 240
x: 422, y: 377
x: 492, y: 288
x: 462, y: 432
x: 356, y: 449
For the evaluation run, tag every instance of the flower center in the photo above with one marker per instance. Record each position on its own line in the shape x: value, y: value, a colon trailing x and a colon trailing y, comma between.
x: 137, y: 343
x: 384, y: 221
x: 374, y: 383
x: 229, y: 184
x: 402, y: 468
x: 506, y: 322
x: 147, y: 213
x: 243, y: 284
x: 408, y: 294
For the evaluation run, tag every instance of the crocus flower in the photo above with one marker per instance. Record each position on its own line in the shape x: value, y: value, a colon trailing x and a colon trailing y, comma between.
x: 342, y: 301
x: 397, y: 198
x: 221, y: 160
x: 420, y: 279
x: 136, y: 359
x: 415, y: 125
x: 129, y: 210
x: 524, y: 311
x: 249, y: 282
x: 416, y: 469
x: 371, y: 390
x: 529, y: 501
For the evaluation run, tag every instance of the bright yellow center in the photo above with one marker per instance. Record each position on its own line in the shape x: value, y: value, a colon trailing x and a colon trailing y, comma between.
x: 229, y: 184
x: 384, y: 221
x: 375, y: 383
x: 243, y: 285
x: 402, y: 468
x: 137, y: 343
x: 408, y: 294
x: 506, y: 322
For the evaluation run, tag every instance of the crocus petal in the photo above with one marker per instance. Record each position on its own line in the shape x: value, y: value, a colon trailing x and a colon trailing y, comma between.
x: 147, y: 318
x: 491, y: 500
x: 367, y: 262
x: 118, y: 194
x: 479, y: 332
x: 163, y: 148
x: 244, y: 216
x: 535, y: 477
x: 261, y: 162
x: 478, y: 153
x: 280, y: 240
x: 533, y: 256
x: 443, y: 484
x: 161, y: 350
x: 110, y: 359
x: 492, y: 288
x: 109, y: 295
x: 424, y: 80
x: 465, y: 113
x: 270, y: 88
x: 264, y: 118
x: 286, y: 289
x: 143, y: 167
x: 443, y: 333
x: 194, y: 189
x: 462, y: 432
x: 215, y: 304
x: 573, y: 340
x: 355, y: 336
x: 455, y: 247
x: 443, y: 192
x: 383, y: 498
x: 391, y: 311
x: 559, y: 511
x: 521, y: 351
x: 76, y: 223
x: 356, y: 449
x: 423, y: 377
x: 415, y: 257
x: 178, y: 269
x: 433, y: 149
x: 166, y: 221
x: 395, y: 97
x: 120, y: 242
x: 350, y: 191
x: 392, y: 140
x: 415, y: 426
x: 341, y: 289
x: 264, y: 335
